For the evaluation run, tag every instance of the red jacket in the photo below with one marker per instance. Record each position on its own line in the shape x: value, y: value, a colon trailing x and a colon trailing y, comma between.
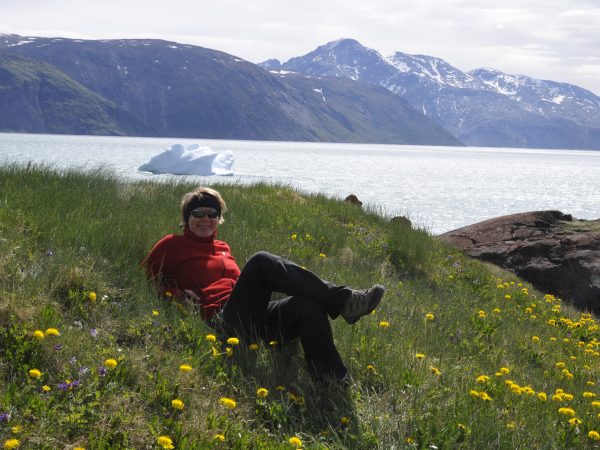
x: 203, y: 265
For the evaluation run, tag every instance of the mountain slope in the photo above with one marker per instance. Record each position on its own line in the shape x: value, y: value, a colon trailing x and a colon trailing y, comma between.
x: 482, y: 107
x: 189, y: 91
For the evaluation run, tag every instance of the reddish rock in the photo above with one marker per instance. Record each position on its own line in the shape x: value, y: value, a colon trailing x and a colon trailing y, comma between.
x: 549, y: 249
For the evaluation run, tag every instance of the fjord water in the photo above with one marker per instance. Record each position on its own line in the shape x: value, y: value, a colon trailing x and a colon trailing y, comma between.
x: 438, y: 188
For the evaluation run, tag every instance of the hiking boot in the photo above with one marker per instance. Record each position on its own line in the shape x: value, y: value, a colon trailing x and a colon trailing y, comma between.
x: 362, y: 302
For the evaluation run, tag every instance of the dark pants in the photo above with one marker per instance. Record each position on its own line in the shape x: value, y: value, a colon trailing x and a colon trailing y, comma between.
x: 250, y: 313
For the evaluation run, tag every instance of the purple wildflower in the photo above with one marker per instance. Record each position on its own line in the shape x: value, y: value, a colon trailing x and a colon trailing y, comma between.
x: 83, y: 370
x: 102, y: 371
x: 57, y: 347
x: 94, y: 332
x: 4, y: 417
x: 49, y: 252
x: 73, y: 360
x: 63, y: 386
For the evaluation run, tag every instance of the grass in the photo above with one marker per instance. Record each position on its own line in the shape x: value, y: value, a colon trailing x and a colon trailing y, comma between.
x: 459, y: 354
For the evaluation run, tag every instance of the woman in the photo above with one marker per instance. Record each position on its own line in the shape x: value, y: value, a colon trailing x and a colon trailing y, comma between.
x: 196, y: 266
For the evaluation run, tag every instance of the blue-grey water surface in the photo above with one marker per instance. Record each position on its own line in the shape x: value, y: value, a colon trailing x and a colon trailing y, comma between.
x: 439, y: 188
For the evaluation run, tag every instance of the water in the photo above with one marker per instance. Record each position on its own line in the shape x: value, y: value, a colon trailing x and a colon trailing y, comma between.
x: 438, y: 188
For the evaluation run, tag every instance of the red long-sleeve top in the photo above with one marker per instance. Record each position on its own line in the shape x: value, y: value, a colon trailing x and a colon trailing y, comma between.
x: 185, y: 261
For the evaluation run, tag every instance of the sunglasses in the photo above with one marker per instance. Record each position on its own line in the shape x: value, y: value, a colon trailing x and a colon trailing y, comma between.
x: 199, y: 214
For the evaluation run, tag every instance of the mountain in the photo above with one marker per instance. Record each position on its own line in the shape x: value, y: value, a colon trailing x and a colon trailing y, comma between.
x: 160, y: 88
x: 483, y: 107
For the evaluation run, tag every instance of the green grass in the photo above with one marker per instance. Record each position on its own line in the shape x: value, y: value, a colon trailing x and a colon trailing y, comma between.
x: 67, y: 237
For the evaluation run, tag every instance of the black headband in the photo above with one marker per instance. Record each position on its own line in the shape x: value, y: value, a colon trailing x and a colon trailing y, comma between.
x: 207, y: 201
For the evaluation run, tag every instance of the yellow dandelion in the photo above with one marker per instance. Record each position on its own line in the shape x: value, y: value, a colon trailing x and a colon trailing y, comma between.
x: 92, y: 296
x: 253, y: 347
x: 345, y: 420
x: 11, y: 443
x: 429, y: 317
x: 481, y: 314
x: 38, y: 334
x: 229, y: 351
x: 504, y: 370
x: 35, y: 373
x: 409, y: 440
x: 485, y: 397
x: 16, y: 429
x: 384, y: 324
x: 294, y: 237
x: 211, y: 338
x: 371, y: 368
x: 273, y: 343
x: 155, y: 313
x: 482, y: 379
x: 322, y: 255
x: 52, y: 332
x: 185, y: 368
x: 280, y: 388
x: 496, y: 311
x: 570, y: 412
x: 79, y: 448
x: 574, y: 421
x: 46, y: 388
x: 111, y: 363
x: 474, y: 393
x: 420, y: 356
x: 219, y: 437
x: 594, y: 435
x: 542, y: 396
x: 589, y: 394
x: 262, y: 392
x: 535, y: 338
x: 507, y: 296
x: 165, y: 442
x: 177, y: 403
x: 168, y: 294
x: 511, y: 425
x: 560, y: 365
x: 434, y: 370
x: 228, y: 403
x: 233, y: 341
x: 295, y: 442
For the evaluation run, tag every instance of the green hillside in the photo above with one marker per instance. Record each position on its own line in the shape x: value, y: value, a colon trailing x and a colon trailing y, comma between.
x: 457, y: 356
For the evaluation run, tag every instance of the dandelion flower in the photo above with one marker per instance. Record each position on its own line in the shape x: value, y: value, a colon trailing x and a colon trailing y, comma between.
x: 535, y: 338
x: 434, y: 370
x: 296, y: 442
x: 111, y: 363
x: 322, y: 255
x: 11, y: 443
x: 574, y: 421
x: 211, y: 338
x: 504, y: 370
x: 496, y: 311
x: 38, y: 334
x: 294, y: 237
x: 219, y: 437
x: 596, y: 404
x: 155, y: 313
x: 511, y: 425
x: 228, y: 403
x: 594, y: 435
x: 168, y: 294
x: 229, y: 351
x: 280, y: 388
x: 52, y: 332
x: 384, y: 324
x: 253, y: 347
x: 474, y: 393
x: 185, y: 368
x: 345, y: 420
x: 485, y: 397
x: 589, y: 395
x: 16, y: 429
x: 420, y: 356
x: 371, y: 368
x: 262, y: 392
x: 35, y: 373
x: 567, y: 412
x: 46, y: 388
x: 92, y: 296
x: 482, y: 379
x: 542, y: 396
x: 429, y: 317
x: 177, y: 403
x: 481, y: 314
x: 165, y: 442
x: 560, y: 365
x: 272, y: 343
x: 233, y: 341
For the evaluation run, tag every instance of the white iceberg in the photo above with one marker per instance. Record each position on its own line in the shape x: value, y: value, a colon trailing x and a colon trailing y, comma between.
x: 191, y: 160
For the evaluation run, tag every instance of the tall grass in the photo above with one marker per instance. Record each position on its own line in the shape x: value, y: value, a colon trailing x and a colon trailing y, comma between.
x: 459, y: 355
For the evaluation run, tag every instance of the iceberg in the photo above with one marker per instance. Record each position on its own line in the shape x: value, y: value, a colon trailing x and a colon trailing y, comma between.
x: 191, y: 160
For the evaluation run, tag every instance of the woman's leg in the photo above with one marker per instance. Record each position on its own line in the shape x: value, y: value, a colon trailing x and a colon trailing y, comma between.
x: 306, y: 318
x: 263, y: 274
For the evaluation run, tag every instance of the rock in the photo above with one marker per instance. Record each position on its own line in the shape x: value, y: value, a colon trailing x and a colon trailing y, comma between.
x: 401, y: 220
x: 555, y: 253
x: 353, y: 199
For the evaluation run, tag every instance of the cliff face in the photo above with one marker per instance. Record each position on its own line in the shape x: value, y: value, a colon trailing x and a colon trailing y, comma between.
x: 549, y: 249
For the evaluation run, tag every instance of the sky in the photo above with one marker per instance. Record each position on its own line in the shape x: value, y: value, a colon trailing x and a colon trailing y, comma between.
x: 555, y: 40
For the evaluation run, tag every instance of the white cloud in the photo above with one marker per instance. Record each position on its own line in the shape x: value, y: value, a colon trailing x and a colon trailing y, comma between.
x: 542, y: 38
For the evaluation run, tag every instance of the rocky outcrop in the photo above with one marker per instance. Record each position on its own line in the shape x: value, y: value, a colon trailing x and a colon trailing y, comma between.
x: 549, y: 249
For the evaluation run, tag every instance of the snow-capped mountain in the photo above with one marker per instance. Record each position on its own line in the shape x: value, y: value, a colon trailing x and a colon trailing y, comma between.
x: 483, y: 107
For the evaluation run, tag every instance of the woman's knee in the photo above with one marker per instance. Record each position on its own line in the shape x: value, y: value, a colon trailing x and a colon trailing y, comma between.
x: 260, y: 258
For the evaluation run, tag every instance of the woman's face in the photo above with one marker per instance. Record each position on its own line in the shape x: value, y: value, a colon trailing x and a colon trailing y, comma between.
x: 205, y: 226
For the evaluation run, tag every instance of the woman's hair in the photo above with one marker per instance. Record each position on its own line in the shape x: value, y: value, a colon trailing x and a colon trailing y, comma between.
x: 202, y: 196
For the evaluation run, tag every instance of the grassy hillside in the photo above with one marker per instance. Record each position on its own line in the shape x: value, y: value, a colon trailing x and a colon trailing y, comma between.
x: 457, y: 356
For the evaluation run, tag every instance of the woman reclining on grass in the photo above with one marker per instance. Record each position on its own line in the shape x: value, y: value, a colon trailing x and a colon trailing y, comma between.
x: 196, y: 266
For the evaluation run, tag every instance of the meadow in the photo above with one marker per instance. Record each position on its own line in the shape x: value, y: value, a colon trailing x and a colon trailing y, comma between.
x: 459, y: 355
